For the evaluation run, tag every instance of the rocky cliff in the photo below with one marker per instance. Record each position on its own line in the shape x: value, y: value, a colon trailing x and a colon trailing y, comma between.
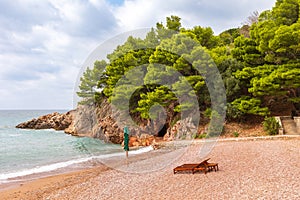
x: 99, y: 122
x: 85, y: 120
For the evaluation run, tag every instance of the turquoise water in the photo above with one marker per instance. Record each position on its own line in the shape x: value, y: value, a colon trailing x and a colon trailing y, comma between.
x: 25, y: 152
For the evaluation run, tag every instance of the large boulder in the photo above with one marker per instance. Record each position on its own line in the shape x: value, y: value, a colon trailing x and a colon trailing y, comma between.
x: 54, y: 120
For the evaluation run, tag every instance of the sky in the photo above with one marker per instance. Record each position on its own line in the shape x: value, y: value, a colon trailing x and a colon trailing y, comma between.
x: 44, y: 43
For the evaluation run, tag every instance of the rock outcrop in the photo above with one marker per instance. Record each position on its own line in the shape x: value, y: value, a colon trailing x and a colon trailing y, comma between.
x: 100, y: 122
x: 54, y: 120
x: 183, y: 129
x: 110, y: 129
x: 83, y: 122
x: 97, y: 122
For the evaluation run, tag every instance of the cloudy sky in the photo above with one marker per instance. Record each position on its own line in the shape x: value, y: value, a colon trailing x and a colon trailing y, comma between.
x: 44, y: 43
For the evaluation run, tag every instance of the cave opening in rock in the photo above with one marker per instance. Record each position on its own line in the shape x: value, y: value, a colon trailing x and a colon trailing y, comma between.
x: 163, y: 131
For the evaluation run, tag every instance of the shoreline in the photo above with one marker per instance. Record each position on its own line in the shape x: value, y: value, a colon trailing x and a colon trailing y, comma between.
x: 53, y: 185
x: 69, y: 166
x: 31, y: 188
x: 66, y: 177
x: 21, y: 180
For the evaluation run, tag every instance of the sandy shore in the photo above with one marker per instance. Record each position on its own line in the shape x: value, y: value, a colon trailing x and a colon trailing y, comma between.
x: 259, y: 169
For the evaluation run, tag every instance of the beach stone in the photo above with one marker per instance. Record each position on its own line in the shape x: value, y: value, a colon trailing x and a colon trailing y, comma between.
x: 135, y: 144
x: 132, y: 139
x: 155, y: 145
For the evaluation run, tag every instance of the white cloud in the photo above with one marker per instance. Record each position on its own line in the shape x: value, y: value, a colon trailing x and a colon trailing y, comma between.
x: 220, y: 15
x: 54, y: 41
x: 42, y: 47
x: 44, y: 43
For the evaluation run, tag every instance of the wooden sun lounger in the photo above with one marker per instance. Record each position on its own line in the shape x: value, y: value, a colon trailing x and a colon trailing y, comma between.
x: 185, y: 167
x: 202, y: 166
x: 209, y: 166
x: 213, y: 166
x: 192, y: 167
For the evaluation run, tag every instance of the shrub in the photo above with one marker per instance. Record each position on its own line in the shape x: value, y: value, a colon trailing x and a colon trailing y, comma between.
x: 232, y: 112
x: 271, y: 125
x: 207, y: 113
x: 194, y: 136
x: 236, y: 134
x: 201, y: 136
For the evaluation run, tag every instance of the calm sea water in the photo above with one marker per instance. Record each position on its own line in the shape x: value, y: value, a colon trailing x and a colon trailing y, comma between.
x: 25, y: 152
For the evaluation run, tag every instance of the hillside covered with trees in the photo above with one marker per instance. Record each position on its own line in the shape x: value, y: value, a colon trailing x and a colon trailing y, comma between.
x: 258, y: 63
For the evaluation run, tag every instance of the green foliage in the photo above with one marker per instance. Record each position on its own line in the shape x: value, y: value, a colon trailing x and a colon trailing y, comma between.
x: 92, y: 81
x: 173, y: 26
x: 270, y: 56
x: 173, y: 23
x: 257, y: 61
x: 246, y: 51
x: 207, y: 113
x: 201, y: 136
x: 216, y: 126
x: 286, y: 12
x: 234, y: 87
x: 271, y: 125
x: 194, y: 136
x: 161, y: 95
x: 248, y: 105
x: 236, y: 134
x: 228, y: 36
x: 233, y: 112
x: 205, y: 36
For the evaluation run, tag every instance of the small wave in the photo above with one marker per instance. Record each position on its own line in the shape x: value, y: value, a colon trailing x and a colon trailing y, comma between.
x: 135, y: 152
x: 55, y: 166
x: 46, y: 168
x: 142, y: 150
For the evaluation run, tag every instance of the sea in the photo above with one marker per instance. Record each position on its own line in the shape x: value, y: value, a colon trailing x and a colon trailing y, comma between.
x: 25, y: 152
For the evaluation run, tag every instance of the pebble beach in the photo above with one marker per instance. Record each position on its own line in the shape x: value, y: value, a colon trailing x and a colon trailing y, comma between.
x: 248, y: 169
